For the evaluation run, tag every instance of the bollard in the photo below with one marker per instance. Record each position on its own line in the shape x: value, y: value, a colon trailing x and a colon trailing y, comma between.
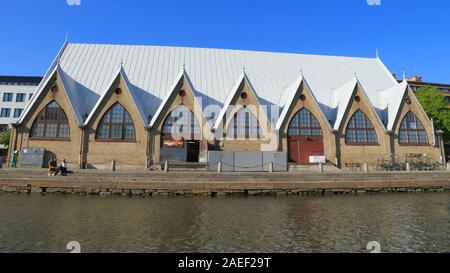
x: 448, y: 166
x: 320, y: 168
x: 408, y: 167
x: 366, y: 167
x: 219, y: 167
x: 271, y: 167
x: 166, y: 166
x: 113, y: 166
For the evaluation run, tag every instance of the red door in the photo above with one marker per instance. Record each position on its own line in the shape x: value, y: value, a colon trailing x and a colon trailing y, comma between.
x: 294, y: 150
x: 302, y: 147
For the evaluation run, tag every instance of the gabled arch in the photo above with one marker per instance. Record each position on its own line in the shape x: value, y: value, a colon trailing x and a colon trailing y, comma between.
x: 304, y: 123
x: 354, y: 93
x: 301, y: 91
x: 51, y: 123
x: 180, y: 125
x: 116, y: 125
x: 244, y: 125
x: 58, y: 79
x: 412, y: 131
x: 182, y: 92
x: 120, y: 79
x: 242, y: 95
x: 410, y: 103
x: 360, y: 130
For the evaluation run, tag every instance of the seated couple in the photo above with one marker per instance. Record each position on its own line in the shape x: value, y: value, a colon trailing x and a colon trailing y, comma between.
x: 54, y: 170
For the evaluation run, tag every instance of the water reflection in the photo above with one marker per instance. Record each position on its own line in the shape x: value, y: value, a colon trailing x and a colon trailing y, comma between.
x: 400, y: 222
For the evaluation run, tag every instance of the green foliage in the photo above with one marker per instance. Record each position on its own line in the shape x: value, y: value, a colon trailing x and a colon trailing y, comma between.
x: 5, y: 137
x: 434, y: 104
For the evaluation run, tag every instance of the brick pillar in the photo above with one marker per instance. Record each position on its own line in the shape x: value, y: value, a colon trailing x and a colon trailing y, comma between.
x: 12, y: 145
x: 391, y: 145
x: 156, y: 146
x: 337, y: 136
x: 441, y: 145
x: 203, y: 155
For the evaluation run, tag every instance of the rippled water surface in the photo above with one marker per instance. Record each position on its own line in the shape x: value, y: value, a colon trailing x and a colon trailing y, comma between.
x: 400, y: 222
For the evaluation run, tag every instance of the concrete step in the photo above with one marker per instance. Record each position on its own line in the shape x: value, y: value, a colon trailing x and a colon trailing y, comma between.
x: 184, y: 176
x: 293, y: 167
x: 185, y: 166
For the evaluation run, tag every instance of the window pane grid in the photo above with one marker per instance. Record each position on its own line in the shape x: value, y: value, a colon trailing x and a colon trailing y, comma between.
x: 412, y: 131
x: 180, y: 125
x: 116, y: 125
x: 360, y: 130
x: 244, y: 125
x: 51, y: 123
x: 304, y: 124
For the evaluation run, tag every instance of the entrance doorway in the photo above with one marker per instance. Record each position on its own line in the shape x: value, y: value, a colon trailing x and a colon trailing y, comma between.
x: 305, y: 137
x: 193, y: 151
x: 302, y: 148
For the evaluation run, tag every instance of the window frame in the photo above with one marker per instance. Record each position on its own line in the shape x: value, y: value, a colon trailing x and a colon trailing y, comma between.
x: 8, y: 94
x: 365, y: 128
x: 15, y: 111
x: 22, y: 96
x: 193, y: 125
x: 110, y: 124
x: 300, y: 126
x: 247, y: 126
x: 417, y: 122
x: 7, y: 110
x: 58, y: 122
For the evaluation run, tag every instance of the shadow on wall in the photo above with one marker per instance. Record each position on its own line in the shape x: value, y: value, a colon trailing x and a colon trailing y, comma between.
x: 47, y: 156
x: 447, y: 151
x: 3, y: 155
x: 91, y: 167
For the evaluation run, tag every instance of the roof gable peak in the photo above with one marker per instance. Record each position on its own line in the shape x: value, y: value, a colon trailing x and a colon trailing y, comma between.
x: 121, y: 75
x: 243, y: 78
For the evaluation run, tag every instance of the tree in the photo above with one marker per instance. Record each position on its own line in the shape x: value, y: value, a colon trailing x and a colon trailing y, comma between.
x: 5, y: 137
x: 434, y: 104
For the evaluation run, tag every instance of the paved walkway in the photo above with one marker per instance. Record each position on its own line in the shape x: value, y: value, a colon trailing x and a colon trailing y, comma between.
x: 140, y: 182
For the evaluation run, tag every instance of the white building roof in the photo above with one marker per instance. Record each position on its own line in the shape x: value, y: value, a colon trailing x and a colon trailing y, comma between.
x: 152, y: 70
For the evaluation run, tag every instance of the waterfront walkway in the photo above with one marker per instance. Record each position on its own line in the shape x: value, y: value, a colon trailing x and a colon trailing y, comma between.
x: 207, y: 183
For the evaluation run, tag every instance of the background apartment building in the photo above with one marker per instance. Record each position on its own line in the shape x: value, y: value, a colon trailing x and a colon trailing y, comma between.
x: 416, y: 82
x: 15, y: 93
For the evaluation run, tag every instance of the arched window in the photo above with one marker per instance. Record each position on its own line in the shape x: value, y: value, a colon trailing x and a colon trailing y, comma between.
x: 116, y: 125
x: 360, y: 130
x: 180, y: 126
x: 51, y: 123
x: 412, y: 131
x: 244, y: 125
x: 304, y: 124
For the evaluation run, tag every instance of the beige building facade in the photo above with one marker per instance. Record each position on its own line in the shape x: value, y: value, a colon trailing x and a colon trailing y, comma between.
x: 124, y: 118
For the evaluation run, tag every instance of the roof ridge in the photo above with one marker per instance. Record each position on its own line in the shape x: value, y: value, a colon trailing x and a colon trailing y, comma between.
x: 228, y: 49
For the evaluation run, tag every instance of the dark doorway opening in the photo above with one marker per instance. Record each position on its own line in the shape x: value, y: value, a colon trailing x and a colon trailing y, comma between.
x: 193, y: 150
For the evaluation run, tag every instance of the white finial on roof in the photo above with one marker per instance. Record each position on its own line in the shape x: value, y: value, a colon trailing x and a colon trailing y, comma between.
x: 378, y: 54
x: 355, y: 75
x: 404, y: 75
x: 66, y: 39
x: 301, y: 72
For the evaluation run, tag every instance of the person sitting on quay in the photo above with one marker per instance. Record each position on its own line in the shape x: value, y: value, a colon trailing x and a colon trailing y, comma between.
x: 52, y: 167
x: 63, y: 168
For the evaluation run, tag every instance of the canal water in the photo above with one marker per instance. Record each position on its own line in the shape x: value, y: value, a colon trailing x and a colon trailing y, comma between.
x: 399, y: 222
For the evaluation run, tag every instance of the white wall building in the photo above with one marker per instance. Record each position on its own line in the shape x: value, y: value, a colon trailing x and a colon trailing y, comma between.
x: 15, y: 93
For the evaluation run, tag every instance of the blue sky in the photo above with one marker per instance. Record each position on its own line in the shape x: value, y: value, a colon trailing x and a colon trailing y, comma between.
x: 411, y: 35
